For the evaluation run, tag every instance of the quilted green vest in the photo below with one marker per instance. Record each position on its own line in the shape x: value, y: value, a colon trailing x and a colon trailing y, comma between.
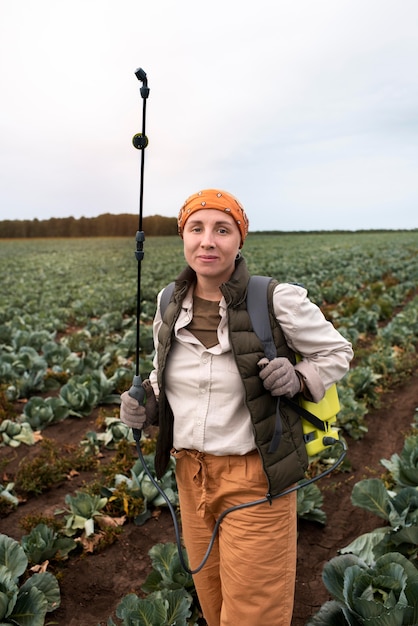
x: 283, y: 466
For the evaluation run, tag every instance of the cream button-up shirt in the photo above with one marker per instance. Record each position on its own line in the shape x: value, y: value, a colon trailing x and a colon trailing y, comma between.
x: 205, y: 390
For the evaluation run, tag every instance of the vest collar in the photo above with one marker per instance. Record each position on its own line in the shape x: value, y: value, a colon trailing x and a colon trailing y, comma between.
x: 232, y: 290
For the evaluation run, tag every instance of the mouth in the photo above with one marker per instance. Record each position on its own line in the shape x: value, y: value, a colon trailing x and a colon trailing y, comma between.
x: 207, y: 257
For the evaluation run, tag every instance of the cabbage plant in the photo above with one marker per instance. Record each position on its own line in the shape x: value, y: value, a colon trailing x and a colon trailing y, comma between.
x: 105, y: 387
x: 13, y: 434
x: 384, y: 594
x: 40, y: 412
x: 139, y: 485
x: 55, y: 353
x: 81, y: 395
x: 25, y: 371
x: 6, y: 494
x: 116, y: 431
x: 7, y: 374
x: 83, y: 392
x: 167, y: 482
x: 28, y: 604
x: 83, y: 508
x: 43, y: 543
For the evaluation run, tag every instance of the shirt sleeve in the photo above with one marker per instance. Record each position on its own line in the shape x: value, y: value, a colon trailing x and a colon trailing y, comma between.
x: 325, y: 353
x: 155, y: 330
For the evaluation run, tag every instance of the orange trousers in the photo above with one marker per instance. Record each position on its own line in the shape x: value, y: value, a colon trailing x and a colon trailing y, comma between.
x: 249, y: 578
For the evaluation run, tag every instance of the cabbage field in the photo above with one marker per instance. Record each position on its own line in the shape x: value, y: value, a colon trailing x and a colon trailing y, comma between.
x: 90, y: 539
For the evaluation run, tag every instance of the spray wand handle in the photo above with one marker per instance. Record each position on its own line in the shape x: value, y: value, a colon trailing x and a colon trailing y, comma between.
x: 138, y: 392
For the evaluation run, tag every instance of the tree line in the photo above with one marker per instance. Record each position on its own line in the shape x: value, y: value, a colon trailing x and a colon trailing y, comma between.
x: 106, y: 225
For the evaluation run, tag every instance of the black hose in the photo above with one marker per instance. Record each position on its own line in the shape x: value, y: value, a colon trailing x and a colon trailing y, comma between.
x: 237, y: 507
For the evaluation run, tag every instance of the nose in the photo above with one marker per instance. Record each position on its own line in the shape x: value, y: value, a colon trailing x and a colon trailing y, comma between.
x: 207, y: 240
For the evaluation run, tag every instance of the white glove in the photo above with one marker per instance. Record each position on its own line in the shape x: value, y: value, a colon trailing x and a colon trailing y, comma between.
x: 279, y: 377
x: 131, y: 412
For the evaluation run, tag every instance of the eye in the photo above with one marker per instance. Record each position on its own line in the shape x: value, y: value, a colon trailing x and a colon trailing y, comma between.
x: 195, y: 229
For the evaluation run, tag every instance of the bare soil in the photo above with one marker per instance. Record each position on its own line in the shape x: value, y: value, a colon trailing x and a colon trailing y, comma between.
x: 92, y: 585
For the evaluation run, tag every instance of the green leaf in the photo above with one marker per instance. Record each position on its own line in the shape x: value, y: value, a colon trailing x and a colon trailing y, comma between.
x: 334, y: 573
x: 12, y: 556
x: 85, y: 505
x: 178, y: 609
x: 8, y: 592
x: 134, y: 611
x: 309, y: 502
x: 6, y: 494
x: 149, y: 490
x: 30, y: 608
x: 406, y: 503
x: 152, y: 582
x: 364, y: 545
x: 165, y: 560
x: 46, y: 583
x: 330, y: 614
x: 371, y: 494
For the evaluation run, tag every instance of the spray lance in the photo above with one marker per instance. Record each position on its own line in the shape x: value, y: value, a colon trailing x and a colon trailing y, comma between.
x: 140, y: 142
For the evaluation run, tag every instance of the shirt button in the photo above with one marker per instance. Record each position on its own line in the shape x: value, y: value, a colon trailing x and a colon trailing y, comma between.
x: 203, y: 390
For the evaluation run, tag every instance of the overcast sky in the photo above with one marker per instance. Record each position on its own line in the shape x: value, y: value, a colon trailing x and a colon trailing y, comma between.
x: 306, y: 110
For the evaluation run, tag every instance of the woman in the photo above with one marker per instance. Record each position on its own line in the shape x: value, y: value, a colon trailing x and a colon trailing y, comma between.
x: 217, y: 402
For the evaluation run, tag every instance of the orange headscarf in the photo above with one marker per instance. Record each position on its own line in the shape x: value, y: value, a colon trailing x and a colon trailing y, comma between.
x: 214, y: 199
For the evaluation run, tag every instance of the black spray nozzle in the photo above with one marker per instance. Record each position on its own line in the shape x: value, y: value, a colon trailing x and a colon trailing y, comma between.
x: 142, y: 76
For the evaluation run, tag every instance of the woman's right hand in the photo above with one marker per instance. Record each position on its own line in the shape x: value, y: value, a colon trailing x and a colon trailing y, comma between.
x: 137, y: 415
x: 132, y: 413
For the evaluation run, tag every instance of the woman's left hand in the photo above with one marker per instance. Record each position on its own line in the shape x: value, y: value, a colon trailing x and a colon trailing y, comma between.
x: 279, y: 377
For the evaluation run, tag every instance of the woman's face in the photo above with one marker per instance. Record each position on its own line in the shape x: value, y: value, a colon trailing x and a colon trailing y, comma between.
x: 211, y: 241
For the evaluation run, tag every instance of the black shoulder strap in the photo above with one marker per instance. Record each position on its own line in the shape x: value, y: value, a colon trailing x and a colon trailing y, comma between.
x: 257, y: 307
x: 166, y: 297
x: 258, y: 310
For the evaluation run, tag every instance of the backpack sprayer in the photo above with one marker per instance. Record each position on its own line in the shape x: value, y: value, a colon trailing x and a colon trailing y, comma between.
x: 317, y: 418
